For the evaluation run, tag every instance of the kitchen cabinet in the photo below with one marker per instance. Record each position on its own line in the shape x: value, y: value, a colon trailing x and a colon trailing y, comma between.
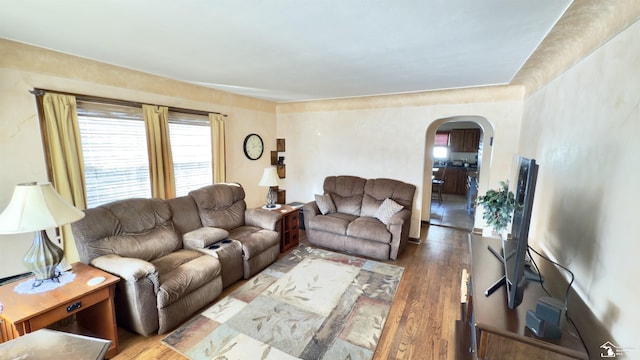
x: 456, y: 140
x: 464, y: 140
x: 471, y: 140
x: 456, y: 181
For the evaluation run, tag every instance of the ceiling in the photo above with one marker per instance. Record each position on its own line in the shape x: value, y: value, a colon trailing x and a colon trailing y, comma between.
x: 288, y: 50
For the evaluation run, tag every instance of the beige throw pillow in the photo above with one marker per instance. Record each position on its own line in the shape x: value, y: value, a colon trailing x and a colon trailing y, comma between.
x: 387, y: 209
x: 325, y: 204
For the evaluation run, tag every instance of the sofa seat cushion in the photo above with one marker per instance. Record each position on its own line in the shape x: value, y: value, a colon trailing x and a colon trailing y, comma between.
x: 369, y: 228
x: 254, y: 240
x: 336, y: 223
x: 182, y: 272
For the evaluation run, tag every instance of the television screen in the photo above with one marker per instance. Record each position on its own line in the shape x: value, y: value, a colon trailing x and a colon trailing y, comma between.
x: 523, y: 185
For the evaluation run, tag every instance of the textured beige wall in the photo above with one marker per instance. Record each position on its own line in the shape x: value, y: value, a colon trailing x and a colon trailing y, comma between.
x: 584, y: 130
x: 23, y: 68
x: 585, y: 26
x: 386, y: 136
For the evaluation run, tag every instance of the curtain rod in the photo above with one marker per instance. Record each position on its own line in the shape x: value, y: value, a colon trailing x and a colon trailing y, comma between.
x: 41, y: 92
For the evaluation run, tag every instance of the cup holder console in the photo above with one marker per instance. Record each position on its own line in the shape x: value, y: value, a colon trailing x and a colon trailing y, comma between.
x: 217, y: 245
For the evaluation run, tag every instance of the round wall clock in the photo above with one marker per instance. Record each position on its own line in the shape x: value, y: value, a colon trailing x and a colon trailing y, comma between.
x: 253, y: 146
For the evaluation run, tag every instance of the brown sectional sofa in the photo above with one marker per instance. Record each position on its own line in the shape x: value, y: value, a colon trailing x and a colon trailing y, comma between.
x: 369, y: 217
x: 167, y: 255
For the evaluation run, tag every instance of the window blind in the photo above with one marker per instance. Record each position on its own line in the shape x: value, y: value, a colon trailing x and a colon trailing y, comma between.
x: 190, y: 138
x: 442, y: 139
x: 114, y: 148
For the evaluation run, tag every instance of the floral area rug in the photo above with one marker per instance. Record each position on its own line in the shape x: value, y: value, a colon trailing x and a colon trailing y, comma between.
x: 310, y: 304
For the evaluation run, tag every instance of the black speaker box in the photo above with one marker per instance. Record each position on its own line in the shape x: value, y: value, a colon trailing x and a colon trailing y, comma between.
x: 548, y: 319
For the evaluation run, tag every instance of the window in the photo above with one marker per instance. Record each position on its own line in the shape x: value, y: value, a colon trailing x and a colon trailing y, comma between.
x: 440, y: 152
x: 190, y: 137
x: 441, y: 143
x: 114, y: 148
x: 116, y: 160
x: 442, y: 139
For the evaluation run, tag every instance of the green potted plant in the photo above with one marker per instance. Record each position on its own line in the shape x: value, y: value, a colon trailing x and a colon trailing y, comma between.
x: 498, y: 207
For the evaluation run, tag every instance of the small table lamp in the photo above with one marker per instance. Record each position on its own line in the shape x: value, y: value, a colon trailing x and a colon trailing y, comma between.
x: 270, y: 179
x: 37, y: 207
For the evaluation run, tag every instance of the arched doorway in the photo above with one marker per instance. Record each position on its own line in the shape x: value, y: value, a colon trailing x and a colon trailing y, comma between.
x: 459, y: 215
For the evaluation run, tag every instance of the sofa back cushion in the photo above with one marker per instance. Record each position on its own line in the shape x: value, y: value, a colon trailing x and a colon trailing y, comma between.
x: 346, y: 192
x: 377, y: 190
x: 138, y: 228
x: 220, y: 205
x: 185, y: 214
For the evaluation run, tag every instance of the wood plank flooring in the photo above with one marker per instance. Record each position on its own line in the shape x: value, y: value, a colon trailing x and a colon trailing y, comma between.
x: 421, y: 322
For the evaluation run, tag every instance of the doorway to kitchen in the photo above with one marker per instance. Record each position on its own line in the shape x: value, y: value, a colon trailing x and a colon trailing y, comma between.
x: 454, y: 158
x: 451, y: 212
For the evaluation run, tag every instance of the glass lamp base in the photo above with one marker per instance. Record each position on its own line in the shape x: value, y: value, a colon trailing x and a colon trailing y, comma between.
x: 43, y: 257
x: 271, y: 198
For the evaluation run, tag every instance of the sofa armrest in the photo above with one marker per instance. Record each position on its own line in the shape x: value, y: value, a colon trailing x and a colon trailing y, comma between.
x: 129, y: 269
x: 136, y: 295
x: 310, y: 210
x: 399, y: 228
x: 400, y: 217
x: 203, y: 237
x: 263, y: 218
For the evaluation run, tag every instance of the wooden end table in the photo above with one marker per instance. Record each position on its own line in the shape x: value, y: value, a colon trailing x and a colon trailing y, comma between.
x: 92, y: 306
x: 290, y: 229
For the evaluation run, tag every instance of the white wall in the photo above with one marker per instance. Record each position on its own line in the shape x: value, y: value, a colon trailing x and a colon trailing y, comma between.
x: 385, y: 137
x: 584, y: 130
x: 23, y: 68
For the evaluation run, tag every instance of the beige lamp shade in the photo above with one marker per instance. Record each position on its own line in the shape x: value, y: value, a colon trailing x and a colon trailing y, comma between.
x: 34, y: 207
x: 269, y: 177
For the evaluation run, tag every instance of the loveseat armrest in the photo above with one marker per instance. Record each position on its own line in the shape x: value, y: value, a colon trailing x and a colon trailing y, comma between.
x: 262, y: 218
x: 129, y: 269
x: 399, y: 226
x: 400, y: 217
x: 310, y: 210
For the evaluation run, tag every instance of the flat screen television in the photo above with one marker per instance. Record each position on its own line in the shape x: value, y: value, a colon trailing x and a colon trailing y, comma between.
x: 515, y: 265
x: 514, y: 250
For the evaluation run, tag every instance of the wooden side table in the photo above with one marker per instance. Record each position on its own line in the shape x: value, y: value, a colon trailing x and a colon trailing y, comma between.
x: 290, y: 230
x: 92, y: 305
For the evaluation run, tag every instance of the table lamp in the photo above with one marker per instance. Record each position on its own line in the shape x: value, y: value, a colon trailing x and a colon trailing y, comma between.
x: 270, y: 179
x: 37, y: 207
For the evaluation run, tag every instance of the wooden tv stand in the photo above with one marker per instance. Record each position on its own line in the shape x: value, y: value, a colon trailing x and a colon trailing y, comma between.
x: 498, y: 332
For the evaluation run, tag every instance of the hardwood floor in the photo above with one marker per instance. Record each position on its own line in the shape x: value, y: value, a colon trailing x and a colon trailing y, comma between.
x: 421, y: 322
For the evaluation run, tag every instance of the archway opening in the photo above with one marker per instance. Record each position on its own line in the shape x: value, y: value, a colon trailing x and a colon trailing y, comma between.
x: 458, y: 163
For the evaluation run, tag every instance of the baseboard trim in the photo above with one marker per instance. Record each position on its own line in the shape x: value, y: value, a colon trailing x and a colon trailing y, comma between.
x: 10, y: 279
x: 414, y: 241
